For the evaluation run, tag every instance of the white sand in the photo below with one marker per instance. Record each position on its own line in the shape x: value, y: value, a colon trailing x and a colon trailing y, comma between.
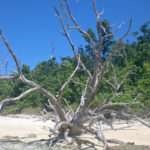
x: 26, y: 127
x: 136, y: 133
x: 30, y: 128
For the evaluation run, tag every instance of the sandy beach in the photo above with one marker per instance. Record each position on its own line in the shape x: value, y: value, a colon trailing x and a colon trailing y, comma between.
x: 24, y: 127
x: 30, y: 128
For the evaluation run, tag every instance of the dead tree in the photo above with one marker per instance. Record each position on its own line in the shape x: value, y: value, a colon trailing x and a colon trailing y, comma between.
x: 79, y: 121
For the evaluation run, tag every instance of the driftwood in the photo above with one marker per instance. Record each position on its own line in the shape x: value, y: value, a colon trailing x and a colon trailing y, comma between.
x: 76, y: 123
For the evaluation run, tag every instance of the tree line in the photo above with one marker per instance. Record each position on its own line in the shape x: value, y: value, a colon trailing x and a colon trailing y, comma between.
x: 131, y: 67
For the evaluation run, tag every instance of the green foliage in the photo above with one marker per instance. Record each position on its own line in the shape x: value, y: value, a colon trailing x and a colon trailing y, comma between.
x: 51, y: 75
x: 143, y: 86
x: 6, y: 89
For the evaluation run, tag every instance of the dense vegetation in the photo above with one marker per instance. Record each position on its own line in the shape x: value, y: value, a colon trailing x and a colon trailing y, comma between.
x: 132, y: 66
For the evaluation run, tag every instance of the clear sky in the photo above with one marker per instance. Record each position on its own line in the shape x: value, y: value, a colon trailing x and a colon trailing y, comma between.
x: 33, y: 30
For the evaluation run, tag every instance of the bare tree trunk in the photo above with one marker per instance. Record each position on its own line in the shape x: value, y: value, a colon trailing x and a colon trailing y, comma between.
x: 76, y: 125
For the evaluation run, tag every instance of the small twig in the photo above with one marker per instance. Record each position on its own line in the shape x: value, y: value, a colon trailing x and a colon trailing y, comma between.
x: 69, y: 106
x: 69, y: 79
x: 77, y: 26
x: 83, y: 97
x: 10, y: 50
x: 128, y: 30
x: 101, y: 136
x: 74, y: 48
x: 142, y: 121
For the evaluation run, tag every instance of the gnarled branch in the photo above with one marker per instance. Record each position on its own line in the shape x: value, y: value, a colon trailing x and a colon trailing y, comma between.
x: 11, y: 52
x: 9, y: 101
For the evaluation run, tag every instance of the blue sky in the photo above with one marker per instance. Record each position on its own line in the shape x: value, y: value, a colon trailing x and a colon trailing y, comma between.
x: 33, y: 30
